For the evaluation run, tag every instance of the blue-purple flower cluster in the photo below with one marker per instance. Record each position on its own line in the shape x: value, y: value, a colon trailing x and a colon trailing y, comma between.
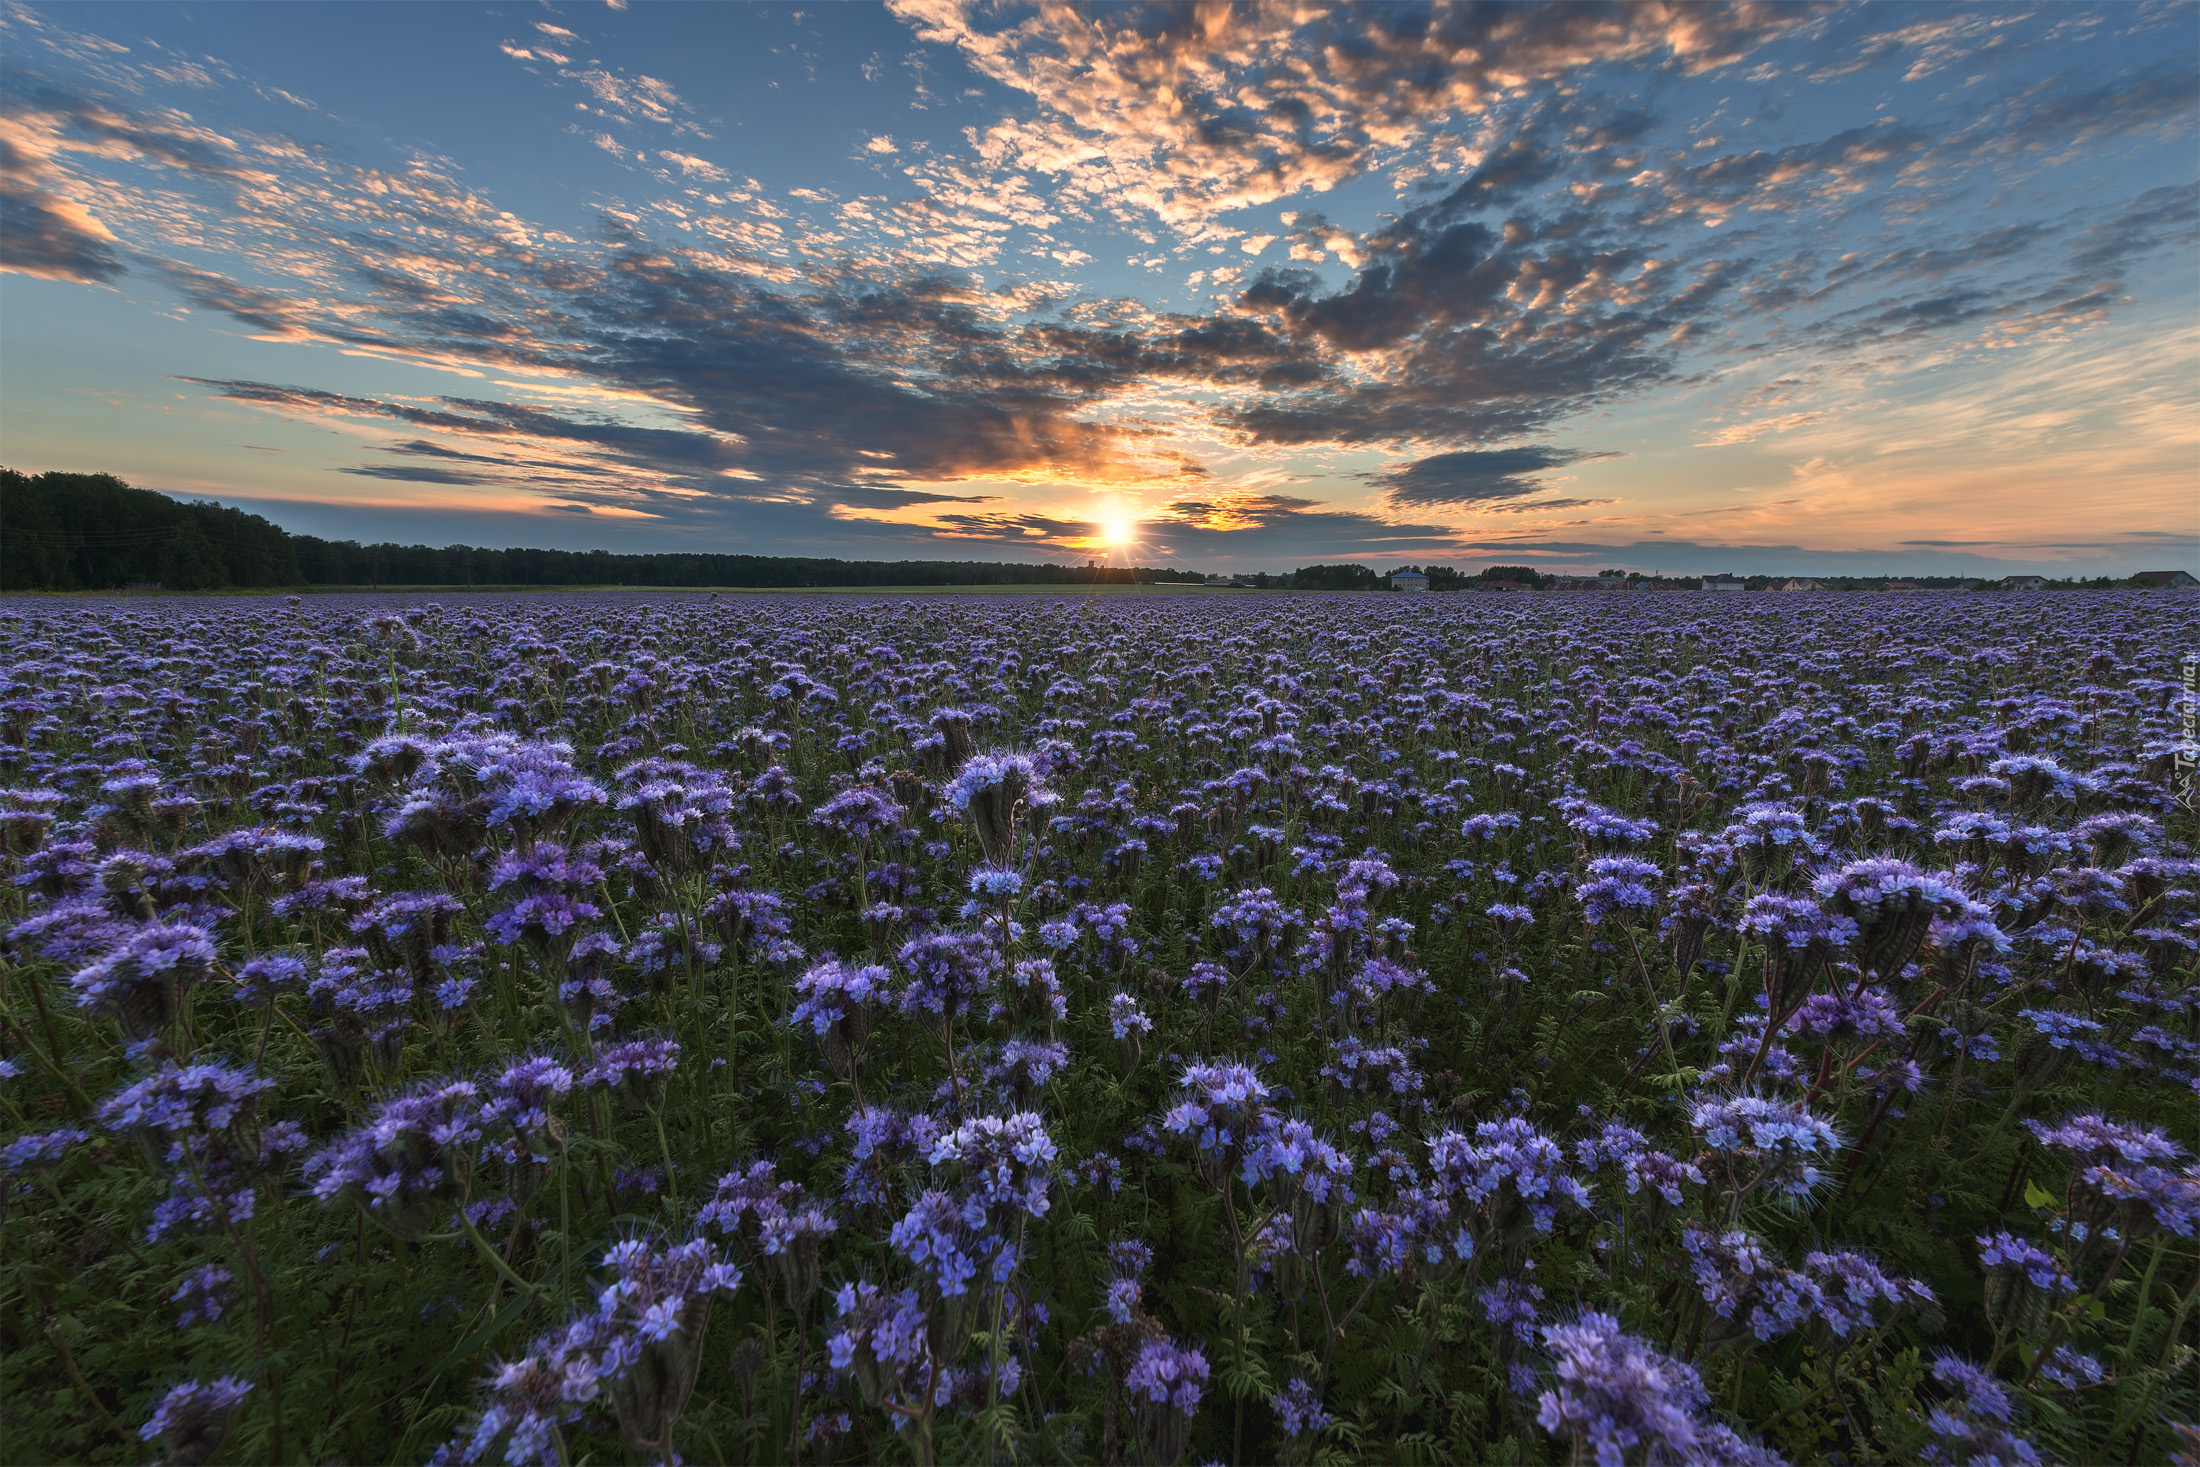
x: 954, y: 1030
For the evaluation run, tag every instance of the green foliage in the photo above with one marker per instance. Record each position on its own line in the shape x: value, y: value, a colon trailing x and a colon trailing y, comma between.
x: 92, y: 532
x: 1344, y: 577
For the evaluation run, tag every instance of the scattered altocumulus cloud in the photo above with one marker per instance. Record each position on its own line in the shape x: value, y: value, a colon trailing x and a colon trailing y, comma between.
x: 1595, y: 271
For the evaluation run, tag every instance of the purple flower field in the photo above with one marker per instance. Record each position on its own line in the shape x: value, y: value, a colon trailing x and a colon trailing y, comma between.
x: 1616, y: 1030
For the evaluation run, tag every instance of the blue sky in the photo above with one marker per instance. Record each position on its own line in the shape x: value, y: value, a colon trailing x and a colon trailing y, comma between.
x: 1679, y: 287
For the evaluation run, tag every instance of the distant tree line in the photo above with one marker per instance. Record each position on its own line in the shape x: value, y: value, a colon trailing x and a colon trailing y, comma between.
x: 92, y: 532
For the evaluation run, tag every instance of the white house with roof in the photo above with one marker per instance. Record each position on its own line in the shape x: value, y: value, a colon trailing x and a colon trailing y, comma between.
x: 1725, y: 583
x: 1408, y: 581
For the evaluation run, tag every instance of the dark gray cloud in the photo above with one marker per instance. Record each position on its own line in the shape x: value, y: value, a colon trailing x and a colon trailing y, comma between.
x: 2160, y: 219
x: 1475, y: 476
x: 418, y: 474
x: 43, y: 235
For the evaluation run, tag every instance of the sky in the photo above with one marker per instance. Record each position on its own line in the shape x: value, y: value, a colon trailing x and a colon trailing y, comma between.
x: 1758, y: 287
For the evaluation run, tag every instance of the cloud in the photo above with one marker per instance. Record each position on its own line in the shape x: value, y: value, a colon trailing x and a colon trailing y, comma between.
x: 711, y: 347
x: 1692, y: 557
x: 50, y: 237
x: 1477, y: 476
x: 694, y: 167
x: 1188, y: 111
x: 418, y: 474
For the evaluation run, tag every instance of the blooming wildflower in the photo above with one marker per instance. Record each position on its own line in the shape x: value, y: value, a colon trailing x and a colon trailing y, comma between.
x: 1126, y: 1019
x: 407, y: 1162
x: 1298, y: 1408
x: 795, y: 1236
x: 947, y: 972
x: 881, y: 1342
x: 1640, y: 1164
x: 547, y: 923
x: 192, y: 1418
x: 261, y: 979
x: 1775, y: 1144
x: 2099, y: 1141
x: 1003, y: 1163
x: 860, y: 813
x: 636, y: 1071
x: 1974, y: 1425
x: 1380, y: 1243
x: 1224, y: 1111
x: 1121, y: 1299
x: 1509, y: 1179
x: 995, y: 885
x: 1600, y: 828
x: 543, y: 867
x: 836, y: 1003
x: 142, y: 981
x: 40, y: 1148
x: 1799, y: 939
x: 650, y: 1321
x: 1510, y: 1305
x: 747, y: 1200
x: 2070, y: 1369
x: 944, y: 1245
x: 990, y: 788
x: 1854, y: 1290
x: 1033, y: 992
x: 1205, y: 983
x: 1165, y: 1383
x: 1846, y: 1018
x: 205, y: 1295
x: 1619, y: 1400
x: 1619, y: 888
x: 1892, y: 904
x: 518, y: 1119
x: 1301, y: 1167
x: 530, y: 1399
x: 1257, y: 922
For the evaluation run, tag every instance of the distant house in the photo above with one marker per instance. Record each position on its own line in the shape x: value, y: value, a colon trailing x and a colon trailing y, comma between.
x: 1612, y: 580
x: 1408, y: 581
x: 1505, y: 585
x: 1800, y: 583
x: 2164, y: 580
x: 2024, y: 583
x: 1725, y: 583
x: 1903, y: 586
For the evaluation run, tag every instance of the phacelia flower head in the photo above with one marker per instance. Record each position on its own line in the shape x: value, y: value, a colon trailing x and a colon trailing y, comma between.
x: 193, y: 1418
x: 636, y: 1070
x: 1165, y: 1383
x: 1893, y: 906
x: 1003, y: 1164
x: 989, y: 790
x: 1770, y: 1143
x: 1224, y: 1113
x: 407, y: 1163
x: 144, y: 979
x: 1620, y: 1402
